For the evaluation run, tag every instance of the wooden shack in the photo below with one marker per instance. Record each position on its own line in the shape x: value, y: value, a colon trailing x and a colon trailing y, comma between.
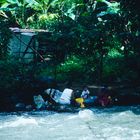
x: 34, y: 46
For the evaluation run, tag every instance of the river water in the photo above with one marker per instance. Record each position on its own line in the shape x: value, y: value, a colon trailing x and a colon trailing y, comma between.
x: 116, y: 123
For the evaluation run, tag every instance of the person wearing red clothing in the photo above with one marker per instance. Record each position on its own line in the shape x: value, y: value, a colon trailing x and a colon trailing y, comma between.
x: 104, y: 98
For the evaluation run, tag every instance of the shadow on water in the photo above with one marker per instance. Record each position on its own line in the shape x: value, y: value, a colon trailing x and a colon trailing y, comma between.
x: 117, y: 109
x: 96, y: 110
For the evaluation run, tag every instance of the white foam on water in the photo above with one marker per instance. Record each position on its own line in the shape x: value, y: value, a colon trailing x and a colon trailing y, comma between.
x: 72, y: 117
x: 86, y: 114
x: 20, y: 121
x: 110, y: 123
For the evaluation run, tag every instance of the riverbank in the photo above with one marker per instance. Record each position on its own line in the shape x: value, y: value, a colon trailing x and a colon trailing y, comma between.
x: 22, y: 100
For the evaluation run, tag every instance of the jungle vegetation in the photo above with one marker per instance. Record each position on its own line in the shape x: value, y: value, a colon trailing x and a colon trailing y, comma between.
x: 102, y: 39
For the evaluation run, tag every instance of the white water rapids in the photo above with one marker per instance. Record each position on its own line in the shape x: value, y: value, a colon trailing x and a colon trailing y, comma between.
x: 116, y: 123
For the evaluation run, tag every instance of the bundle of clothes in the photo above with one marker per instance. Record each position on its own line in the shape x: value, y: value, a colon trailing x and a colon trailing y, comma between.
x: 53, y: 97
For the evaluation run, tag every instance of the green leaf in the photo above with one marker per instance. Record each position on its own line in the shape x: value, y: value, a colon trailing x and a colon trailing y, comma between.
x: 5, y: 5
x: 31, y: 3
x: 100, y: 0
x: 13, y: 1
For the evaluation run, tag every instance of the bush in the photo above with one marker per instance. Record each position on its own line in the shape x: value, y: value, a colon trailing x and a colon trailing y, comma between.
x: 12, y: 74
x: 118, y: 69
x: 113, y: 69
x: 5, y: 35
x: 71, y: 69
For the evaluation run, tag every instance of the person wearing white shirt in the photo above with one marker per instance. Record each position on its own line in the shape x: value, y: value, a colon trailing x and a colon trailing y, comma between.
x: 85, y: 93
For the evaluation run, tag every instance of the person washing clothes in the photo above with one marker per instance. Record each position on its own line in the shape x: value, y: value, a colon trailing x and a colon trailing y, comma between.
x: 104, y: 98
x: 84, y: 95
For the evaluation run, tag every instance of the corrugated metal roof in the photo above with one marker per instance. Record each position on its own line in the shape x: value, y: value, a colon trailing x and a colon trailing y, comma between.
x: 18, y: 30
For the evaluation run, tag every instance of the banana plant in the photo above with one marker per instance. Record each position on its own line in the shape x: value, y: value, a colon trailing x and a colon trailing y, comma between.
x: 66, y: 7
x: 16, y: 9
x: 43, y: 14
x: 50, y: 11
x: 113, y: 7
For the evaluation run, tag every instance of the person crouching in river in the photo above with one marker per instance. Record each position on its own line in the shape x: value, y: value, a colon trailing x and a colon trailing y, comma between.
x: 85, y: 93
x: 84, y: 96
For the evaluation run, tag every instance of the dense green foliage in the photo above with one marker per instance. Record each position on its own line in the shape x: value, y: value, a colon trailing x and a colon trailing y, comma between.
x: 5, y: 35
x: 101, y: 38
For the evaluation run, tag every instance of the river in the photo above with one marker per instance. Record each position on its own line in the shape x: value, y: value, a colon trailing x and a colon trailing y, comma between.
x: 115, y: 123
